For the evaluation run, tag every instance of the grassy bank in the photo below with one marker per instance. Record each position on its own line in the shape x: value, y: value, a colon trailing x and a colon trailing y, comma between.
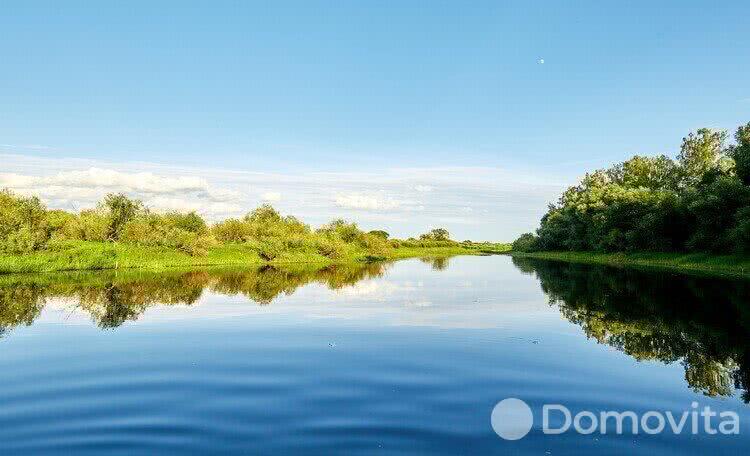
x: 698, y: 263
x: 86, y: 255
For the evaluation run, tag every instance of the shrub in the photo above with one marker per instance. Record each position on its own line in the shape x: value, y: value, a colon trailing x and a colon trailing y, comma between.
x: 167, y: 231
x: 437, y: 234
x: 120, y: 210
x: 380, y: 233
x: 93, y: 226
x: 347, y: 232
x: 22, y: 227
x: 191, y: 221
x: 189, y: 242
x: 270, y: 249
x: 231, y: 230
x: 375, y: 245
x: 24, y: 240
x: 330, y: 247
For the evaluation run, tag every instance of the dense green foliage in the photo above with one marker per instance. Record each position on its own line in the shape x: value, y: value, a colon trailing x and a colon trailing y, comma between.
x: 122, y: 232
x: 699, y: 202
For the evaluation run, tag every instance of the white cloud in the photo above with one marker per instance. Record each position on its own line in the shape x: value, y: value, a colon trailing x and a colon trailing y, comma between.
x: 211, y: 209
x: 510, y: 201
x: 366, y: 202
x: 111, y: 180
x: 271, y: 197
x: 76, y: 189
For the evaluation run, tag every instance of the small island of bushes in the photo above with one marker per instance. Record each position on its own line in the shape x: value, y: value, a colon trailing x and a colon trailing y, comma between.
x: 122, y: 232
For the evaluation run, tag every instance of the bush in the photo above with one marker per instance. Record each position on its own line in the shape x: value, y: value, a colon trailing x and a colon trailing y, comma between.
x: 169, y: 231
x: 437, y: 234
x: 93, y: 226
x: 270, y: 249
x: 375, y: 245
x: 190, y: 222
x: 380, y: 233
x: 330, y: 247
x: 230, y: 230
x: 347, y: 232
x: 120, y: 210
x: 527, y: 242
x: 22, y: 227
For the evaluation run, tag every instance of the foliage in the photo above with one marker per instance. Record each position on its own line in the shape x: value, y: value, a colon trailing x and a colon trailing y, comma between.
x: 698, y: 203
x: 437, y: 234
x: 527, y: 242
x: 740, y: 153
x: 119, y: 210
x: 380, y: 233
x: 122, y: 232
x: 23, y: 226
x: 183, y: 232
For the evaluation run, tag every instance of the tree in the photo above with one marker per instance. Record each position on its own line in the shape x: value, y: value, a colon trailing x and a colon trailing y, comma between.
x: 22, y: 227
x: 700, y: 152
x: 380, y: 234
x: 121, y: 210
x: 655, y: 173
x: 437, y: 234
x: 263, y: 214
x: 527, y: 242
x: 740, y: 152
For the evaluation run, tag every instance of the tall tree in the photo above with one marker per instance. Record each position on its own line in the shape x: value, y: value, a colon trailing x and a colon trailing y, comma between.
x: 700, y: 153
x: 740, y: 152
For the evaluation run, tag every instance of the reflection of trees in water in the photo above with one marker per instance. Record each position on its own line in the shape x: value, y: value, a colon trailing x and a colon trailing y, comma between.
x: 20, y: 304
x: 112, y: 298
x: 437, y: 263
x: 265, y: 284
x: 702, y: 323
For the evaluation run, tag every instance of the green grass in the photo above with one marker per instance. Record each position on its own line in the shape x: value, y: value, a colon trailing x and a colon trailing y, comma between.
x: 695, y: 263
x: 83, y: 255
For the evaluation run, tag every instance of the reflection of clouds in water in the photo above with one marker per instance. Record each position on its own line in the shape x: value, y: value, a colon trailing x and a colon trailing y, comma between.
x: 377, y: 289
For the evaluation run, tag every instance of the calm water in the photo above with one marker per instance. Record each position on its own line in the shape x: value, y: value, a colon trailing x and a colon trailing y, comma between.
x: 409, y: 357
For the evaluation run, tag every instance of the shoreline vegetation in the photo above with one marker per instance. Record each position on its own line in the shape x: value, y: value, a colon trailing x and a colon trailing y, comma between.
x: 691, y: 213
x: 121, y: 233
x: 703, y: 264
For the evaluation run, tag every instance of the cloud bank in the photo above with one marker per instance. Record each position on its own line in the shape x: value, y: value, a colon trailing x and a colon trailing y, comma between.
x: 471, y: 202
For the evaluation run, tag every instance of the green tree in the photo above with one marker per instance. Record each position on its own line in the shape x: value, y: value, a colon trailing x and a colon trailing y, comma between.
x: 437, y: 234
x: 700, y: 153
x: 263, y: 214
x: 740, y: 152
x: 527, y: 242
x: 120, y: 210
x: 380, y: 234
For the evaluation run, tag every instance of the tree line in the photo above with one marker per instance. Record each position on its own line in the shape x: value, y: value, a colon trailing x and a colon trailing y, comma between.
x: 698, y: 202
x: 27, y: 225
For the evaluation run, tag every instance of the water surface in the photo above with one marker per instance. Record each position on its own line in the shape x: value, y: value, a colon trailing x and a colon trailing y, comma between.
x: 409, y: 357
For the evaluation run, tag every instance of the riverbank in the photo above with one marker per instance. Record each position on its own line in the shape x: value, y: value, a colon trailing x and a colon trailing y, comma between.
x: 86, y: 256
x: 695, y: 263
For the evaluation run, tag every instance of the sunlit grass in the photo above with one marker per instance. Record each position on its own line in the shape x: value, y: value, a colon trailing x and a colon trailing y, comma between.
x: 703, y: 263
x: 88, y: 255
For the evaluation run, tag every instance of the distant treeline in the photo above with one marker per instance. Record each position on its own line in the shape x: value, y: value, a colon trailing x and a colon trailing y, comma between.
x: 27, y: 226
x: 699, y: 202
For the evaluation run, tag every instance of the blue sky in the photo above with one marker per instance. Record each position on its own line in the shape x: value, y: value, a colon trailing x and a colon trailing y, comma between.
x: 386, y: 89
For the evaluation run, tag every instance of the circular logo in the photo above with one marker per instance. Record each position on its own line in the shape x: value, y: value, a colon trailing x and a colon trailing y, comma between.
x: 512, y: 419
